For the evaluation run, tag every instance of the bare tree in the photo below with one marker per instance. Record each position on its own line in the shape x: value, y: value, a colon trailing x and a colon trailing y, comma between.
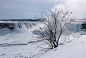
x: 54, y: 25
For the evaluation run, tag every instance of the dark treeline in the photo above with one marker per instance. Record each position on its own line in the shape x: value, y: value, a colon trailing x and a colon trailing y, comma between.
x: 19, y: 19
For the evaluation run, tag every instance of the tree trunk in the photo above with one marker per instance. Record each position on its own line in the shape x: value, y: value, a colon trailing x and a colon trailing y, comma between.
x: 58, y: 38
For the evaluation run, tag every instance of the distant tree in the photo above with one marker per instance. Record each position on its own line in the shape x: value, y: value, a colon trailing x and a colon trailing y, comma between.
x: 53, y: 27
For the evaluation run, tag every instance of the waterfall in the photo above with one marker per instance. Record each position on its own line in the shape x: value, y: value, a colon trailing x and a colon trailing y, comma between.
x: 25, y: 24
x: 17, y: 24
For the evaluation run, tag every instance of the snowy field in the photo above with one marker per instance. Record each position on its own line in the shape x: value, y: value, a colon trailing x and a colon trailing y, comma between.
x: 21, y: 43
x: 74, y: 49
x: 18, y: 43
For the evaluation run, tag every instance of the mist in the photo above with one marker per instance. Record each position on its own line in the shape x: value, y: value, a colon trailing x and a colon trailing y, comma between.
x: 78, y: 7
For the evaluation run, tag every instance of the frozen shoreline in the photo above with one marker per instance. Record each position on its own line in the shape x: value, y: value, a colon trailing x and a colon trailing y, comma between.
x: 21, y: 43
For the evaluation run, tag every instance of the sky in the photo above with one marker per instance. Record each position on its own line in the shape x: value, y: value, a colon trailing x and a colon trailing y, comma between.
x: 28, y: 9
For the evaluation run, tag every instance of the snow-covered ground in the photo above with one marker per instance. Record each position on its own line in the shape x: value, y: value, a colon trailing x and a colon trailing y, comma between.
x: 18, y: 43
x: 74, y: 49
x: 21, y: 43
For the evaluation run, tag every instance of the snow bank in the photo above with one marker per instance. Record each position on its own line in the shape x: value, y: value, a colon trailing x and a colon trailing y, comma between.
x: 19, y: 43
x: 74, y: 49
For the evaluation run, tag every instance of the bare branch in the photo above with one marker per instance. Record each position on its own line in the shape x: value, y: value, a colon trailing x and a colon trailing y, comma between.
x: 54, y: 26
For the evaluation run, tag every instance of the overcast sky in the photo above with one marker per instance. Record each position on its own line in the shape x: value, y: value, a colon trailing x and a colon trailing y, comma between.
x: 28, y: 9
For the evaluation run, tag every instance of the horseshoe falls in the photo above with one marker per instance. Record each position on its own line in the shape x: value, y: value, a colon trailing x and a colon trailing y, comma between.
x: 20, y: 24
